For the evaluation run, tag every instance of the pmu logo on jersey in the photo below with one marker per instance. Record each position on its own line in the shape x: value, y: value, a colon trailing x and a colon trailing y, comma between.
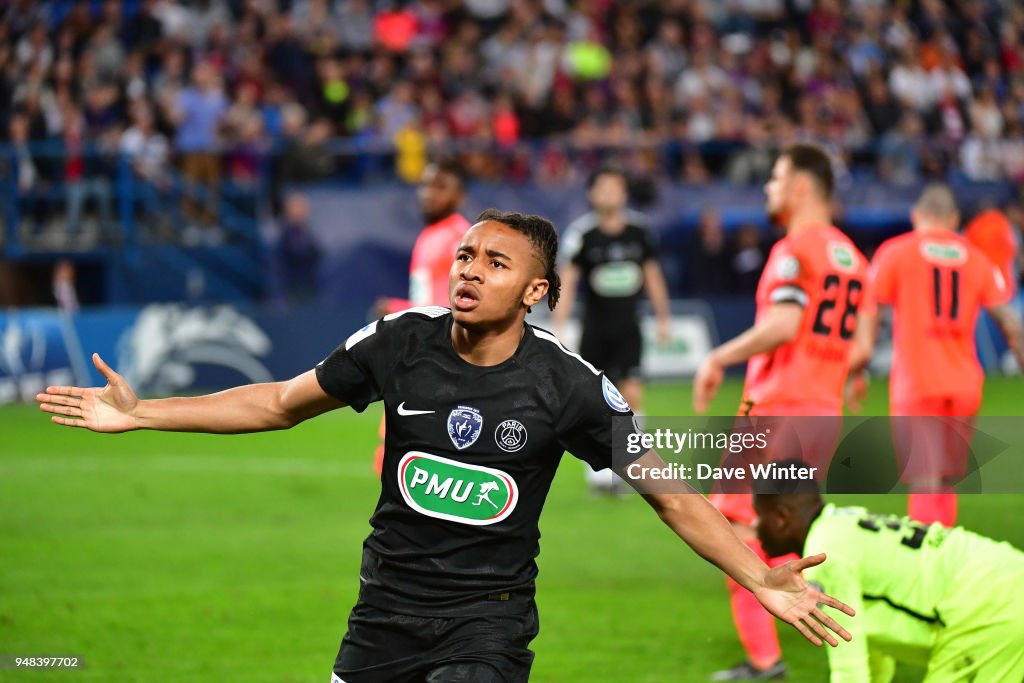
x: 464, y: 426
x: 456, y: 491
x: 612, y: 396
x: 510, y: 436
x: 617, y: 278
x: 842, y: 257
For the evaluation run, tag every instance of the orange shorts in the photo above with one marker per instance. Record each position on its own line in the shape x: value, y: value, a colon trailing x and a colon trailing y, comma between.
x: 933, y: 437
x: 753, y: 409
x: 735, y: 507
x: 807, y: 432
x: 940, y: 406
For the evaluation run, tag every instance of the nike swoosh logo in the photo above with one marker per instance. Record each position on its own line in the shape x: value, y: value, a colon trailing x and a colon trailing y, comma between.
x: 403, y: 411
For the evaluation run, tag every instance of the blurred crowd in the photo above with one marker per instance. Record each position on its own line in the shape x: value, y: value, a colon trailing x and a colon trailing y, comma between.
x: 694, y: 90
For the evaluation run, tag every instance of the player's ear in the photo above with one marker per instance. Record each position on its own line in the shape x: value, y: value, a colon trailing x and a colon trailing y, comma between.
x: 776, y: 514
x: 535, y: 291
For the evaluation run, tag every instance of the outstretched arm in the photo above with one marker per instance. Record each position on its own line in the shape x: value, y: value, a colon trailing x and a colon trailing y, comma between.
x: 250, y: 408
x: 779, y: 326
x: 782, y: 590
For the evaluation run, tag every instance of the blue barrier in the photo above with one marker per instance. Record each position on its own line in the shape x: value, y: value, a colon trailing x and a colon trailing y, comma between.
x: 164, y: 349
x: 367, y: 233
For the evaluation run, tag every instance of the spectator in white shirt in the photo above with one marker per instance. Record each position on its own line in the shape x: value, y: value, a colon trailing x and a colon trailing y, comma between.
x: 147, y: 149
x: 910, y: 83
x: 948, y: 74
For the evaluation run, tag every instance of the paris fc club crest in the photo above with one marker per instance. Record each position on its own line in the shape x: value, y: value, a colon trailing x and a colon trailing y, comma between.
x: 464, y: 426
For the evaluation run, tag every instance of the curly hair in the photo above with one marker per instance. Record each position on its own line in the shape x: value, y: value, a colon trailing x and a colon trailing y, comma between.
x: 542, y: 234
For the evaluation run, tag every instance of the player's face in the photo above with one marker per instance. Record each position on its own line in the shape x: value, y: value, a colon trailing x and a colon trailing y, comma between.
x: 609, y: 192
x: 778, y: 189
x: 495, y: 276
x: 439, y: 194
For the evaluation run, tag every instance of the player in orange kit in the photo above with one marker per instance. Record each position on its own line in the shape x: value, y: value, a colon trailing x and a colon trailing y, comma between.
x: 936, y: 282
x: 798, y: 350
x: 992, y: 232
x: 440, y: 194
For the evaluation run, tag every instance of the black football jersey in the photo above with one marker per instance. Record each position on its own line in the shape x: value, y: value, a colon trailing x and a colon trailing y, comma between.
x: 470, y: 453
x: 611, y: 268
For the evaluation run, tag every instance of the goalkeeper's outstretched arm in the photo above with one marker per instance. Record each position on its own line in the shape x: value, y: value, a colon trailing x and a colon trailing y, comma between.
x: 250, y: 408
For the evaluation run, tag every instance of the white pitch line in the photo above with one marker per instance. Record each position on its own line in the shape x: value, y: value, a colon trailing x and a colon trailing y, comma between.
x: 239, y: 465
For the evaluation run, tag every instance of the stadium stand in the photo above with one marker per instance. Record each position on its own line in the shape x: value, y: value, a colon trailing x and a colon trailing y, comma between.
x: 164, y: 132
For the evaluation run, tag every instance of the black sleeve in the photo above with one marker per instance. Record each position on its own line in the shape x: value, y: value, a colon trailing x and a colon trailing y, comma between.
x: 570, y: 243
x: 356, y: 371
x: 576, y: 255
x: 650, y: 245
x: 585, y: 426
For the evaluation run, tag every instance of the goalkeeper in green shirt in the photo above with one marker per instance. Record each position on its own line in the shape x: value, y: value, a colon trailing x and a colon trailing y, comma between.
x: 948, y: 600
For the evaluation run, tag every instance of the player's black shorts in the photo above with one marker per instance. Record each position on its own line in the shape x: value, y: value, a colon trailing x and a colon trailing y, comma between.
x: 614, y: 347
x: 490, y: 647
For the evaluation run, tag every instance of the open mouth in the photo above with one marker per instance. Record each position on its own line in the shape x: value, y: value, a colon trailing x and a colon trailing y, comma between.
x: 466, y: 298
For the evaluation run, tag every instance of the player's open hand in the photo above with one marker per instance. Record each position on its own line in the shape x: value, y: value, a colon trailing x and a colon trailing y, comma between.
x: 705, y: 384
x: 789, y: 597
x: 110, y: 409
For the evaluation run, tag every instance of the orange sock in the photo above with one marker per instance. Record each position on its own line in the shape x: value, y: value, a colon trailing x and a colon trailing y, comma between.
x: 754, y: 625
x: 933, y: 507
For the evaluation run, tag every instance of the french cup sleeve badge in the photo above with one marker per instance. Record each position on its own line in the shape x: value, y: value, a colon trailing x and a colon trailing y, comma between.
x: 788, y: 268
x: 613, y: 397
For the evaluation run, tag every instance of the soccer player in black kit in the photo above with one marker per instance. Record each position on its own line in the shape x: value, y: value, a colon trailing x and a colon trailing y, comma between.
x: 610, y: 249
x: 480, y: 407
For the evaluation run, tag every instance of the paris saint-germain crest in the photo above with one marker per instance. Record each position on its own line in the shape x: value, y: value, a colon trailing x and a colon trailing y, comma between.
x: 510, y: 436
x: 464, y: 426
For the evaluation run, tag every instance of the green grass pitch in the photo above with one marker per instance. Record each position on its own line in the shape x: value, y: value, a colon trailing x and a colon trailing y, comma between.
x: 194, y: 558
